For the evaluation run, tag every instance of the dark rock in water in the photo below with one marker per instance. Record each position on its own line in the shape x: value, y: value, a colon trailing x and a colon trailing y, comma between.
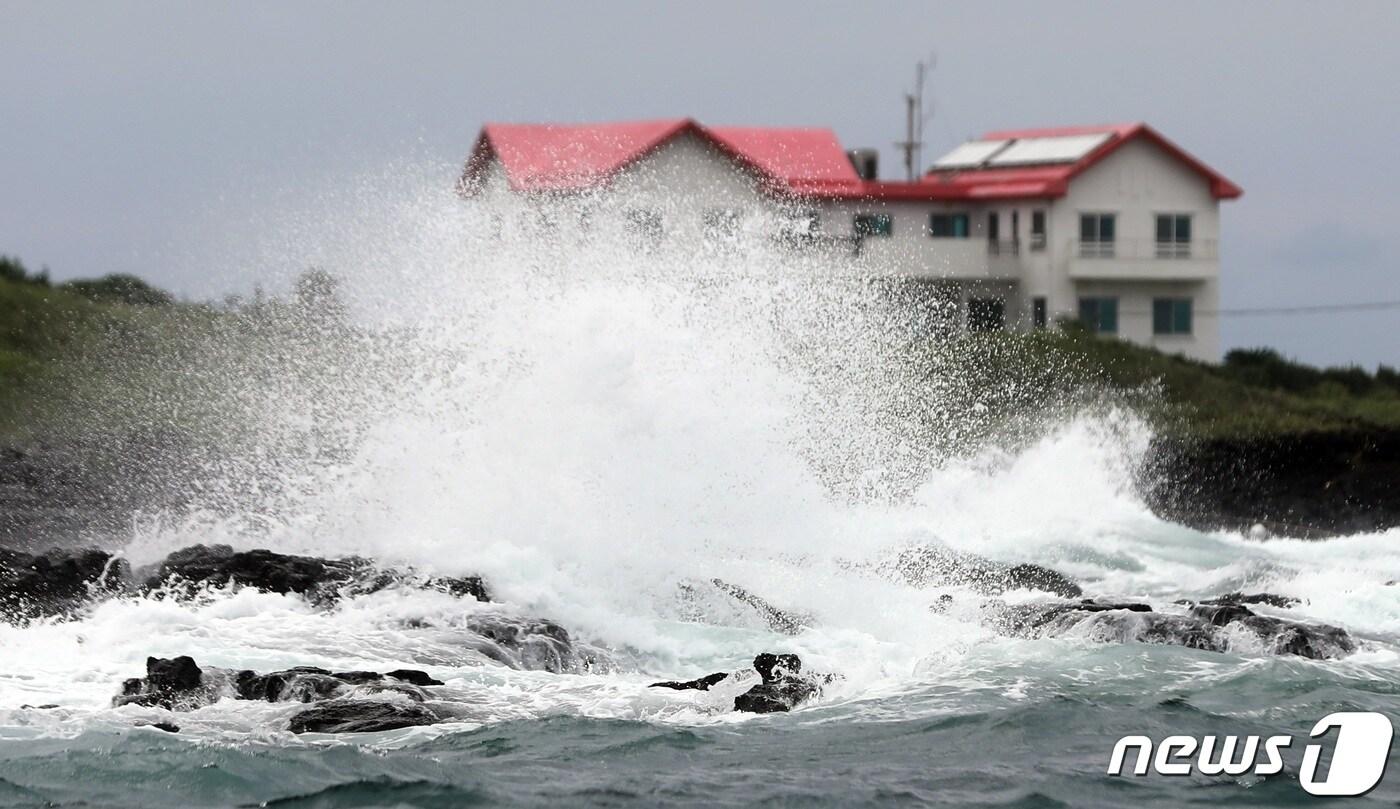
x: 57, y: 582
x: 779, y: 696
x: 174, y: 684
x: 1210, y: 627
x: 360, y: 716
x: 1271, y: 599
x: 698, y: 684
x: 1307, y: 484
x: 413, y: 677
x: 221, y: 565
x: 180, y: 684
x: 778, y: 620
x: 461, y: 586
x: 770, y: 666
x: 300, y: 684
x: 783, y: 685
x: 319, y: 580
x: 1221, y: 614
x: 1315, y: 641
x: 525, y: 643
x: 358, y: 677
x: 938, y: 566
x: 168, y: 727
x: 1035, y: 577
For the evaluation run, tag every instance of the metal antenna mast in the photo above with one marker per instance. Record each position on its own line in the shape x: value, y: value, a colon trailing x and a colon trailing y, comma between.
x: 914, y: 119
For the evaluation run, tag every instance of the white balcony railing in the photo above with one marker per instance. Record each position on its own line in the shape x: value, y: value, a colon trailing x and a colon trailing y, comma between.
x: 1139, y: 249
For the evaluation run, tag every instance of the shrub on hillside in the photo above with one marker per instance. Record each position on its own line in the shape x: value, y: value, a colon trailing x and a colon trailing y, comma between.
x: 121, y: 287
x: 1266, y: 368
x: 12, y: 269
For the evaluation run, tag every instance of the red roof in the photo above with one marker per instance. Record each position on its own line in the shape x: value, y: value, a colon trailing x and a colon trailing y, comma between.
x: 557, y: 157
x: 805, y: 162
x: 808, y: 161
x: 1021, y: 182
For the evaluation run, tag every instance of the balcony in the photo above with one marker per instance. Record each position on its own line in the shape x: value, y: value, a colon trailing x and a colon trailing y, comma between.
x: 1143, y: 259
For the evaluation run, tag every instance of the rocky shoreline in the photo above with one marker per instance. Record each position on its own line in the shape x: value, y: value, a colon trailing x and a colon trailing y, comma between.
x: 64, y: 584
x: 1304, y: 485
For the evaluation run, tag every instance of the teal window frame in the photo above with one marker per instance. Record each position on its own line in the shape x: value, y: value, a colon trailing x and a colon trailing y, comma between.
x: 1099, y: 314
x: 873, y: 224
x: 943, y: 225
x: 1172, y: 316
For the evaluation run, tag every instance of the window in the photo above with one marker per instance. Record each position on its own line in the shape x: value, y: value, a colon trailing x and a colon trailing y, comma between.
x: 798, y: 228
x: 1099, y: 314
x: 986, y: 314
x: 1171, y: 315
x: 993, y: 226
x: 722, y: 227
x: 1173, y: 235
x: 1038, y: 312
x: 644, y: 228
x: 948, y: 225
x: 1096, y: 235
x: 873, y: 224
x: 1037, y: 230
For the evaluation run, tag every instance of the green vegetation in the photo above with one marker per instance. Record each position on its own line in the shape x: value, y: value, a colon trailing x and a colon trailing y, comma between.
x: 116, y: 344
x: 1252, y: 392
x: 42, y: 324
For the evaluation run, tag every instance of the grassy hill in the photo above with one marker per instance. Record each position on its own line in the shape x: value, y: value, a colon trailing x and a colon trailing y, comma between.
x: 46, y: 331
x: 1252, y: 392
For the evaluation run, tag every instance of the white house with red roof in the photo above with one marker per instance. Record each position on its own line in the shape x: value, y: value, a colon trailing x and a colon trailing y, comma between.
x: 1112, y: 225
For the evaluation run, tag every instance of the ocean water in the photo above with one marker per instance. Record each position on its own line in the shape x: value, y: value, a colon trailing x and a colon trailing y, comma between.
x: 595, y: 430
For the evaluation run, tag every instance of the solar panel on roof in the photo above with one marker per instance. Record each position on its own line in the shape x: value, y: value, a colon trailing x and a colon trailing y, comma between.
x: 1064, y: 149
x: 970, y: 154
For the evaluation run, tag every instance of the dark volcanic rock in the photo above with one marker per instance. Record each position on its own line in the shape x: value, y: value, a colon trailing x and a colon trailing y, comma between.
x: 57, y: 582
x: 1035, y: 577
x: 1303, y: 485
x: 783, y: 685
x: 1210, y: 627
x: 1316, y: 641
x: 781, y: 688
x: 300, y: 684
x: 180, y: 684
x: 413, y: 677
x: 938, y: 566
x: 174, y: 684
x: 319, y: 580
x: 360, y: 716
x: 698, y: 684
x: 221, y: 565
x: 777, y: 620
x: 460, y: 586
x: 525, y: 643
x: 1271, y: 599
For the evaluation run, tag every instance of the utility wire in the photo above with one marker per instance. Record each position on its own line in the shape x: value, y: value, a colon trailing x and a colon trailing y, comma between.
x: 1314, y: 309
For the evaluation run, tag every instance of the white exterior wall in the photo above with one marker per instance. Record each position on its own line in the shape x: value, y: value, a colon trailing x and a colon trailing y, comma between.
x: 1136, y: 183
x: 687, y: 177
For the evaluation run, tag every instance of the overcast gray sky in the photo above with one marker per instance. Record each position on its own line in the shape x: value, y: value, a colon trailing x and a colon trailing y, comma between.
x: 126, y: 129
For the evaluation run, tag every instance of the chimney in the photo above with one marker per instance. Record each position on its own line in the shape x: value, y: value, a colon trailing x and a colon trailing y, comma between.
x: 866, y: 162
